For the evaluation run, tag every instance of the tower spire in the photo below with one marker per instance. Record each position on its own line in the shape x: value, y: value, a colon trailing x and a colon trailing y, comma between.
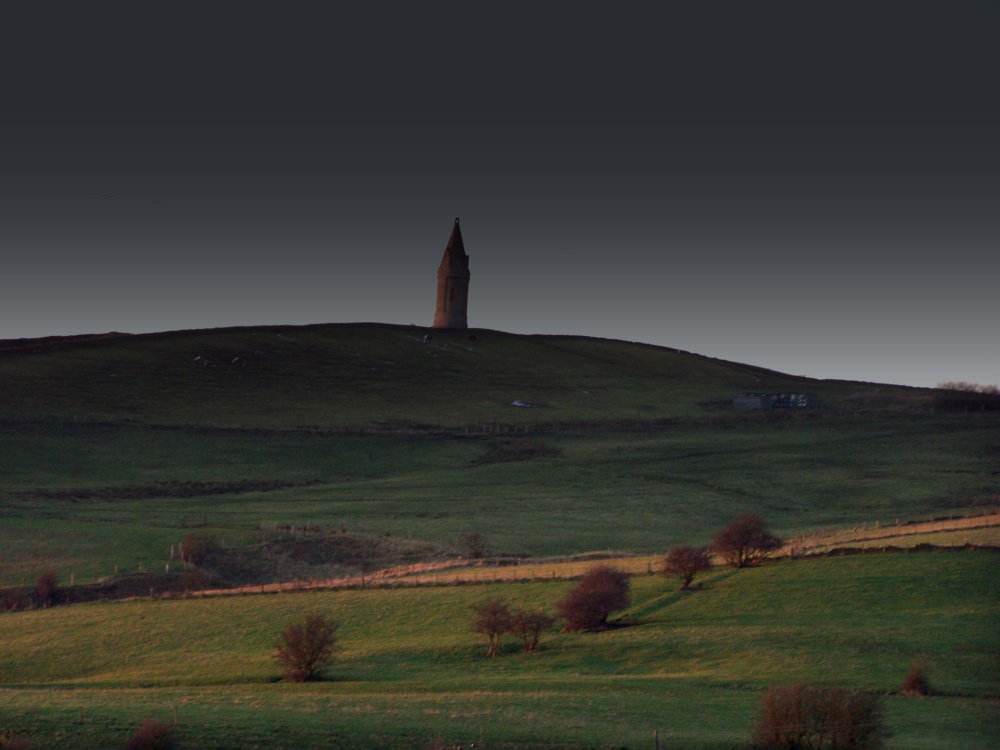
x: 453, y: 284
x: 455, y: 243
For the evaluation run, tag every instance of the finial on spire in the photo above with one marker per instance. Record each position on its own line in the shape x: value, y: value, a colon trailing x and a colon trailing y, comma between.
x: 456, y: 220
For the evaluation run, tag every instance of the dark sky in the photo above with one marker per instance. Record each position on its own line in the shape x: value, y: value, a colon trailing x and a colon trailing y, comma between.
x: 818, y: 195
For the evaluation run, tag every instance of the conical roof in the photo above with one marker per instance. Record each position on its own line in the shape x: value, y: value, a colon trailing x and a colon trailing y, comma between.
x: 455, y: 244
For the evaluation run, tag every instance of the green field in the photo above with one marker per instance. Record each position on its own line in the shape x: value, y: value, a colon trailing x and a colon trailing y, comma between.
x: 113, y: 449
x: 689, y: 665
x: 87, y: 500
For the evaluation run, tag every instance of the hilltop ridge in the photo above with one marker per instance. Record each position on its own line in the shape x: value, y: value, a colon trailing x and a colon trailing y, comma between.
x: 366, y: 375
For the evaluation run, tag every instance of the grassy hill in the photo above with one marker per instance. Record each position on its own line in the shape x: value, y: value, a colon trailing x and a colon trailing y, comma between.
x: 113, y: 448
x: 378, y: 376
x: 306, y: 451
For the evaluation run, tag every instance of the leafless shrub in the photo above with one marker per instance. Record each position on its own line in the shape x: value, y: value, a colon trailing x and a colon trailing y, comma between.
x: 745, y: 541
x: 14, y: 598
x: 474, y: 545
x: 152, y: 734
x: 685, y: 562
x: 963, y: 396
x: 961, y: 385
x: 492, y: 620
x: 601, y: 591
x: 916, y: 682
x: 194, y: 579
x: 801, y: 717
x: 304, y: 649
x: 529, y: 626
x: 47, y: 589
x: 196, y: 549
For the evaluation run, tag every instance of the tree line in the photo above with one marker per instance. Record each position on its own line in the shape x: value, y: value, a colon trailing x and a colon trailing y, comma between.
x: 604, y: 589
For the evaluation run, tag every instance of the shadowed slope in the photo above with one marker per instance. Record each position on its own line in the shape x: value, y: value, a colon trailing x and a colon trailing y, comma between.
x: 371, y: 375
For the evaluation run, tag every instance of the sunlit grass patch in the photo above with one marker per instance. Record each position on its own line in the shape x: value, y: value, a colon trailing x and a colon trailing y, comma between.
x: 409, y: 664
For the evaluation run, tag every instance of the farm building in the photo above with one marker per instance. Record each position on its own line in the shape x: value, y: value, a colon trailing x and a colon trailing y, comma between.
x: 760, y: 401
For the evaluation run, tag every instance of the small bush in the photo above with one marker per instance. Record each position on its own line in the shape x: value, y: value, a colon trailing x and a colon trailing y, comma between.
x: 990, y: 390
x: 14, y: 599
x: 801, y: 717
x: 196, y: 549
x: 745, y: 541
x: 529, y: 626
x: 601, y: 591
x: 194, y: 579
x: 492, y: 619
x: 474, y: 545
x: 47, y: 589
x: 152, y: 734
x: 303, y: 649
x: 916, y: 682
x: 685, y: 562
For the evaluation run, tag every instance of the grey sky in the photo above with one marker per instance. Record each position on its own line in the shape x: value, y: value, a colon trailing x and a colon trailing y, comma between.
x: 828, y: 215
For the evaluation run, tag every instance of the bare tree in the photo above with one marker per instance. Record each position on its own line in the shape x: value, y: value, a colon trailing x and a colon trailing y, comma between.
x: 802, y: 717
x: 961, y: 385
x: 474, y: 545
x: 492, y: 619
x: 529, y: 626
x: 303, y: 649
x: 685, y: 562
x: 601, y: 591
x: 745, y: 541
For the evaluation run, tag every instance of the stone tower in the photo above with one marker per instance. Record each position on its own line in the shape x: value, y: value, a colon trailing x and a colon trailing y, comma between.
x: 453, y: 284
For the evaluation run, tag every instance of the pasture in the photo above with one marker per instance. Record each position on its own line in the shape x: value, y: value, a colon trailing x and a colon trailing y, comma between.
x: 113, y: 449
x: 691, y: 665
x: 89, y: 500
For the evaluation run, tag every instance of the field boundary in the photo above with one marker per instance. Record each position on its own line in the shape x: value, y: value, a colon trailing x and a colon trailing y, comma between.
x: 817, y: 542
x: 947, y: 533
x: 510, y: 570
